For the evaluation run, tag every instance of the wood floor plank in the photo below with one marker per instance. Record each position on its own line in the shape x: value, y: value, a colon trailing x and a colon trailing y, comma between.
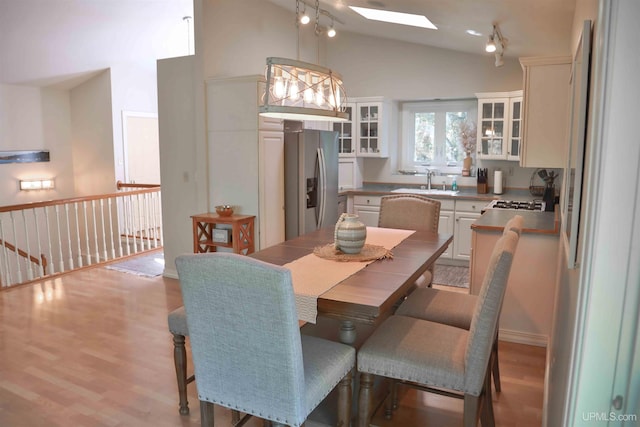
x: 92, y: 348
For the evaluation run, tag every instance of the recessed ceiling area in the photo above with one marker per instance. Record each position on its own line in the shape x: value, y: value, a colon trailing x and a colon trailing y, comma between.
x: 531, y: 27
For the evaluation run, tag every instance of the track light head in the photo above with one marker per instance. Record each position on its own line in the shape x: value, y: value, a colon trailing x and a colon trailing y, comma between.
x: 491, y: 45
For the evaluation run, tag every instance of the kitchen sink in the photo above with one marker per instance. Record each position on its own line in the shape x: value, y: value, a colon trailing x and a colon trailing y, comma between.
x: 432, y: 192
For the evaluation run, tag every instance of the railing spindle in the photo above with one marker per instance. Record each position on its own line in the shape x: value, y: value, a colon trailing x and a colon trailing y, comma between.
x: 35, y: 220
x: 104, y: 236
x: 26, y: 236
x: 86, y: 234
x: 46, y: 215
x: 6, y: 273
x: 15, y: 239
x: 60, y: 252
x: 113, y: 248
x: 95, y: 230
x: 80, y: 260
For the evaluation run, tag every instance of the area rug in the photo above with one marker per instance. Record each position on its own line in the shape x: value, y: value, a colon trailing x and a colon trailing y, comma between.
x: 151, y: 265
x: 451, y: 275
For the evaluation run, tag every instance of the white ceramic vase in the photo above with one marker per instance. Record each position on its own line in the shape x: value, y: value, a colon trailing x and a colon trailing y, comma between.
x: 350, y: 234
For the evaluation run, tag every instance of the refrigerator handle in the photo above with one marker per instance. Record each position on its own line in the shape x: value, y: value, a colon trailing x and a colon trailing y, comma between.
x: 322, y: 187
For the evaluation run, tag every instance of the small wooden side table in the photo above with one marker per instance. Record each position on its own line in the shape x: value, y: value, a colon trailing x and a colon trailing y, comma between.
x: 242, y: 233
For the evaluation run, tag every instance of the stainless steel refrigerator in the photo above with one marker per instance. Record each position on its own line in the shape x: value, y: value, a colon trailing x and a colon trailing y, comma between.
x: 311, y: 180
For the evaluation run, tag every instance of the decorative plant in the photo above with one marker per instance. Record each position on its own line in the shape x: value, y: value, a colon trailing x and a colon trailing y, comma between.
x: 468, y: 136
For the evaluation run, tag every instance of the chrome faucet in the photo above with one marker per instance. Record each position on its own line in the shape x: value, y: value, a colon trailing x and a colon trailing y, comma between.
x: 430, y: 173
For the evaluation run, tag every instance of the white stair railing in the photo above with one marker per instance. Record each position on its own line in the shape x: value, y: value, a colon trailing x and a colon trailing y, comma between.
x: 44, y: 239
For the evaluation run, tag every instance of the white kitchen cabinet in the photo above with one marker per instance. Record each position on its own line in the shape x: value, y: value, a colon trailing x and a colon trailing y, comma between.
x: 497, y: 126
x: 514, y: 143
x: 245, y: 155
x: 271, y: 188
x: 546, y: 111
x: 467, y: 211
x: 349, y: 173
x: 445, y: 224
x: 376, y: 126
x: 317, y: 125
x: 368, y: 209
x: 346, y: 133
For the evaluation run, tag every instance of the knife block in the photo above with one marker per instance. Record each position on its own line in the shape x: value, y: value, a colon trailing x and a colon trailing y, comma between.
x: 483, y: 188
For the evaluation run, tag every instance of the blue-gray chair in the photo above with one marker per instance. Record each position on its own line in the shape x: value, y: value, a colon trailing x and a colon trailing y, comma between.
x: 453, y: 308
x: 177, y: 320
x: 248, y: 353
x: 441, y: 358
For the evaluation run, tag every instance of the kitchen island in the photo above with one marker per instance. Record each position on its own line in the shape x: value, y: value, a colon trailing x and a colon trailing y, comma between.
x: 527, y: 311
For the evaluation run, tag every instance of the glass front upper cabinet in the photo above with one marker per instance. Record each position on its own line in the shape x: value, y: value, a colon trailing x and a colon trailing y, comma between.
x: 346, y: 137
x: 500, y: 125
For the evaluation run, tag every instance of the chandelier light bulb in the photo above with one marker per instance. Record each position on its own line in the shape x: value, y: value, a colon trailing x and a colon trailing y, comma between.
x: 304, y: 19
x: 319, y: 94
x: 308, y: 91
x: 294, y: 90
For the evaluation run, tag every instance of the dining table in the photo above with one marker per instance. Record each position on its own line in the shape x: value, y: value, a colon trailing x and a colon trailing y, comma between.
x: 371, y: 294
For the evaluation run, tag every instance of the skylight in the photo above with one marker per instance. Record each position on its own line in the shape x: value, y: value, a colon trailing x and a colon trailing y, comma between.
x: 395, y: 17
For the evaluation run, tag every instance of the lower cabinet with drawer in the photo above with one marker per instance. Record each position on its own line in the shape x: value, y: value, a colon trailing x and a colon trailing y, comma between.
x: 456, y: 217
x: 467, y: 211
x: 368, y: 209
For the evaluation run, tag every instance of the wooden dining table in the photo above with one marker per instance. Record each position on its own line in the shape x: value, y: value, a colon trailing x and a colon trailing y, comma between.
x: 370, y: 295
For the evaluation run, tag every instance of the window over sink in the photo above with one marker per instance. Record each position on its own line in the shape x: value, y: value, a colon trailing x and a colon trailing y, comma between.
x: 431, y: 136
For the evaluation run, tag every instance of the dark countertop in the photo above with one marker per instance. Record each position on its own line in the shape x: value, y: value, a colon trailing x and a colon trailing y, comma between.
x: 382, y: 189
x: 534, y: 222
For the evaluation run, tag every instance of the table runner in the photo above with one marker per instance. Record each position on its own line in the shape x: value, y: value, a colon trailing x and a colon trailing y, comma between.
x: 312, y: 276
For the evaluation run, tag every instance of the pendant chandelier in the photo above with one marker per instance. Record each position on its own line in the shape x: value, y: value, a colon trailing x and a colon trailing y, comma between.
x: 297, y: 90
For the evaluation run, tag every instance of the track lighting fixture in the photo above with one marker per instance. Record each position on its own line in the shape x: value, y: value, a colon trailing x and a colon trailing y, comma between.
x: 332, y: 31
x: 496, y: 45
x: 304, y: 18
x: 491, y: 45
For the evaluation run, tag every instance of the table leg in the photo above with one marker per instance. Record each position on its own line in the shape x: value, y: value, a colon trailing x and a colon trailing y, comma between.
x: 347, y: 332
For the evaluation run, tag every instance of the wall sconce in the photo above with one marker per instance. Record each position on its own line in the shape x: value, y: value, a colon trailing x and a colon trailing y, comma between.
x: 37, y: 184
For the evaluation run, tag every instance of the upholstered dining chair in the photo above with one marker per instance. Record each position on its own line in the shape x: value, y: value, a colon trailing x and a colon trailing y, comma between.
x: 442, y: 358
x: 248, y: 353
x: 453, y: 308
x: 411, y: 212
x: 177, y: 320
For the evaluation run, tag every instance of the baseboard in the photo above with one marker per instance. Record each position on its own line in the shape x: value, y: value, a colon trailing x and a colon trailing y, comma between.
x: 455, y: 262
x: 171, y: 273
x: 523, y: 338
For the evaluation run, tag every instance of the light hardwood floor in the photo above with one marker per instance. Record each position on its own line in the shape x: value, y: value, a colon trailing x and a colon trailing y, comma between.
x: 92, y: 348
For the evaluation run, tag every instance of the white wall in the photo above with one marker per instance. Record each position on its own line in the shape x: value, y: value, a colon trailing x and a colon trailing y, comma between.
x: 31, y: 118
x: 183, y: 155
x: 92, y: 136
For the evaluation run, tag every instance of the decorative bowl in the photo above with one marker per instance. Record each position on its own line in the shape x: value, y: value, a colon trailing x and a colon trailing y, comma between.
x: 224, y: 210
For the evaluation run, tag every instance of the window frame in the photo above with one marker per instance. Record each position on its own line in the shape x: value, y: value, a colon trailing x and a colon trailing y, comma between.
x: 408, y: 111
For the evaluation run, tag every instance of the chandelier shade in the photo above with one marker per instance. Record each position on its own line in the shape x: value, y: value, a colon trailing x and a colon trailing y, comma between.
x: 297, y: 90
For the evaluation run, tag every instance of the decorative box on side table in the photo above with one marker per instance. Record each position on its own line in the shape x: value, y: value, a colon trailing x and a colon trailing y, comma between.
x: 207, y: 238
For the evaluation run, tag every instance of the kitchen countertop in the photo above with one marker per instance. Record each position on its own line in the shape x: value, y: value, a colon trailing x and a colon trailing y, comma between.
x: 492, y: 219
x: 534, y: 222
x: 376, y: 189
